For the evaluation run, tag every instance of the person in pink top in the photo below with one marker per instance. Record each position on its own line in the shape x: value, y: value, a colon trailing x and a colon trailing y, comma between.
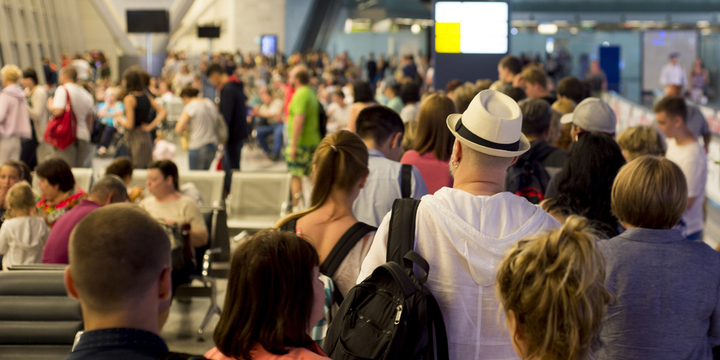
x: 274, y: 298
x: 433, y: 143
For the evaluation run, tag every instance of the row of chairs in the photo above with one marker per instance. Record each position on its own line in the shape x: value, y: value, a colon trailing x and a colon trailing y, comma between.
x: 257, y: 199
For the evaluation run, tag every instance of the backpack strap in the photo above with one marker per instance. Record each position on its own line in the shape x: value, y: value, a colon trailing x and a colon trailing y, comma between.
x: 343, y: 247
x: 439, y: 326
x: 406, y: 181
x: 401, y: 234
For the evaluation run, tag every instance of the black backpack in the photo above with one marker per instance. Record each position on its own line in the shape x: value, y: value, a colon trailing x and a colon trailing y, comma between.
x: 528, y: 178
x: 391, y: 315
x: 406, y: 181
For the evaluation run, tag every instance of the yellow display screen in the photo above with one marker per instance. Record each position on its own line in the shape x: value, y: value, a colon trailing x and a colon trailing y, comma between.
x: 471, y: 27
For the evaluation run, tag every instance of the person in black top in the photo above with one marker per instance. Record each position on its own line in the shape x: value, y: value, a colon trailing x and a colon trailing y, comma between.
x: 138, y: 121
x: 372, y: 70
x: 120, y: 272
x: 233, y: 110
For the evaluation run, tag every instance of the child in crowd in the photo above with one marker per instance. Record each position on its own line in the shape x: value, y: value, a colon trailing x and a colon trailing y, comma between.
x: 23, y: 235
x: 684, y: 149
x: 668, y: 306
x: 107, y: 112
x: 274, y: 297
x: 551, y: 290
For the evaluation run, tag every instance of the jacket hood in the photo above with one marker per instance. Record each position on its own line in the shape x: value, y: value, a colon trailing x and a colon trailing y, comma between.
x: 29, y: 234
x: 14, y: 90
x: 482, y: 227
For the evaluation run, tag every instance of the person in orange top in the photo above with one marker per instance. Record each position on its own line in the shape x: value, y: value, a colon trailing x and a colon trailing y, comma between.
x: 274, y: 298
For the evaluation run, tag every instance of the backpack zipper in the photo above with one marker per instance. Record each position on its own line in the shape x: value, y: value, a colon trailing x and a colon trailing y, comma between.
x: 398, y: 315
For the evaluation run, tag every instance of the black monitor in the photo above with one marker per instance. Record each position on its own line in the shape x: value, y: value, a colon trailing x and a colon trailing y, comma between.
x: 212, y: 32
x: 148, y: 21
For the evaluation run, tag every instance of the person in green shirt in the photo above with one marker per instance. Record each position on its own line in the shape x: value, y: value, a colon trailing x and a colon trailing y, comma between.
x: 394, y: 101
x: 303, y: 125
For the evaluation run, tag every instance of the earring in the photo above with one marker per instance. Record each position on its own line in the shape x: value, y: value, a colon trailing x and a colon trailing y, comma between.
x: 455, y: 164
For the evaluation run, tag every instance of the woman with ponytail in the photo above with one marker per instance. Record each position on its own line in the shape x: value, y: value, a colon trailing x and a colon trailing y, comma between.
x: 552, y: 293
x: 340, y: 164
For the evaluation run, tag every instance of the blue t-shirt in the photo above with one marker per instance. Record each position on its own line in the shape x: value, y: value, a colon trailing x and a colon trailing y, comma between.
x: 108, y: 120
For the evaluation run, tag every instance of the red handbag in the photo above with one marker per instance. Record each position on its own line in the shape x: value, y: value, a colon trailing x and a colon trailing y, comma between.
x: 60, y: 130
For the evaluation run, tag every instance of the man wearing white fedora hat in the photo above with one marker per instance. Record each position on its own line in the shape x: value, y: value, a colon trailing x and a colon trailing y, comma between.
x: 463, y: 231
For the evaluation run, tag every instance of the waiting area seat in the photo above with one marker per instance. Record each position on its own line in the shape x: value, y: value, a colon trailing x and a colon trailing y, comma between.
x: 258, y: 200
x: 37, y: 318
x: 83, y: 179
x: 209, y: 183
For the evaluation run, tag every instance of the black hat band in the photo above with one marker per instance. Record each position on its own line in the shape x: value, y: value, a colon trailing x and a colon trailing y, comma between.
x: 468, y: 135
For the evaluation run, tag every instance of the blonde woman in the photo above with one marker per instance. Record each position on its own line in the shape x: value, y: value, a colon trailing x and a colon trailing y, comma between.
x: 14, y: 114
x: 552, y: 295
x: 641, y: 140
x: 668, y: 305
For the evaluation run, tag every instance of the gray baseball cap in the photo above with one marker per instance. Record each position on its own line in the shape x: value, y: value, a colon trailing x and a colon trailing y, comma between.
x: 592, y: 114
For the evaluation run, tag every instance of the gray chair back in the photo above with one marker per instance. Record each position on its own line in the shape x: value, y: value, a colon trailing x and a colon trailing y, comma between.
x: 37, y: 318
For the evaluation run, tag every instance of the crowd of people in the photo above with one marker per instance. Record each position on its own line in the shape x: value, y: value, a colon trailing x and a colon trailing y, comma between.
x: 526, y: 200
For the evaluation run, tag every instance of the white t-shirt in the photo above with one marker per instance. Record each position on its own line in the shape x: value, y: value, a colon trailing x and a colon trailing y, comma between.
x: 692, y: 160
x: 409, y: 113
x: 339, y: 117
x: 83, y: 69
x: 82, y: 105
x: 202, y: 123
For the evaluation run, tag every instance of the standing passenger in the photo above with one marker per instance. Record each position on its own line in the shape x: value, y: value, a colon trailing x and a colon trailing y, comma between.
x: 14, y: 116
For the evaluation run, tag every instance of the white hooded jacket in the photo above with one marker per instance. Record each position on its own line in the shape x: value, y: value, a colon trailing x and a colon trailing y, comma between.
x: 22, y: 240
x: 463, y: 237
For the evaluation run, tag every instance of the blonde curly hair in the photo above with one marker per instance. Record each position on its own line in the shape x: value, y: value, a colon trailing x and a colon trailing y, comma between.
x: 554, y: 286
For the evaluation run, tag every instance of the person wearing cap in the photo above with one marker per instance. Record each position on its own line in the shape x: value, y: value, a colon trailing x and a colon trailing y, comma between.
x: 462, y: 231
x: 673, y: 73
x: 591, y: 114
x: 684, y: 150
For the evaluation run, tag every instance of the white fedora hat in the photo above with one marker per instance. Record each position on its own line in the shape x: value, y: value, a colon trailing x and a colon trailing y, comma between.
x: 492, y: 125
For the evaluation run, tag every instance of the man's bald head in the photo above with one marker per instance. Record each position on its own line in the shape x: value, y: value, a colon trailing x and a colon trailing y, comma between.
x: 117, y: 254
x: 111, y: 189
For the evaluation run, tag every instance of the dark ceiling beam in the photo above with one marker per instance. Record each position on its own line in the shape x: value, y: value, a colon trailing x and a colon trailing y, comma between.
x: 653, y: 6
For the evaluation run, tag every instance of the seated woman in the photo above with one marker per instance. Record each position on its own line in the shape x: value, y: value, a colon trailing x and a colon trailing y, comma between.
x: 583, y: 185
x: 341, y: 169
x: 58, y: 192
x: 122, y: 167
x: 552, y: 294
x: 668, y: 306
x: 169, y: 206
x: 269, y: 310
x: 431, y: 149
x: 641, y: 140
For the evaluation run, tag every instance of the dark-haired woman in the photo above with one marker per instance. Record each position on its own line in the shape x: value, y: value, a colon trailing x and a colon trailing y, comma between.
x: 433, y: 143
x: 137, y: 123
x: 362, y: 97
x: 57, y: 189
x: 341, y: 169
x: 583, y: 187
x: 269, y: 310
x: 198, y: 117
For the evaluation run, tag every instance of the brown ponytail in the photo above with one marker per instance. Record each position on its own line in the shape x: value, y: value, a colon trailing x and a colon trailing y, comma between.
x: 341, y: 160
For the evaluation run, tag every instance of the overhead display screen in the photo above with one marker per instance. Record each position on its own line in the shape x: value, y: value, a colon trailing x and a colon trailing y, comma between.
x: 471, y: 27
